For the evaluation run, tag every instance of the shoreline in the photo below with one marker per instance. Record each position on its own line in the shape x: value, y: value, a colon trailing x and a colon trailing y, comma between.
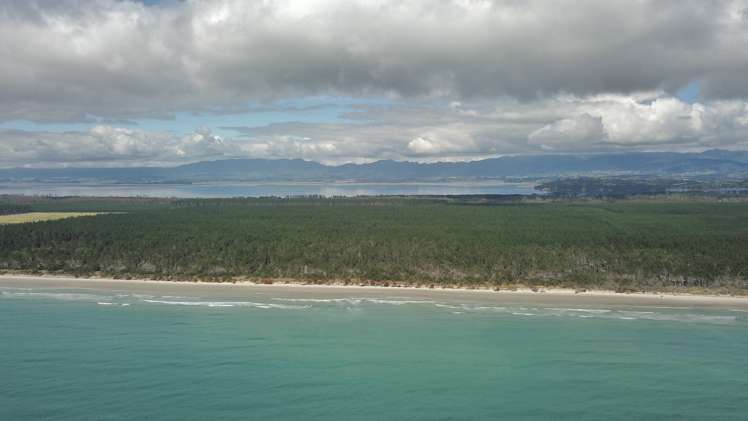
x: 447, y: 293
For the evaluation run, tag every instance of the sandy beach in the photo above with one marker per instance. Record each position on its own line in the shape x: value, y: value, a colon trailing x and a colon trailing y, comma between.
x: 303, y: 291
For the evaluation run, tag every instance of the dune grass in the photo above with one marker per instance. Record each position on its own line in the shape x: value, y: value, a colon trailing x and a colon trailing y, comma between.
x: 23, y: 218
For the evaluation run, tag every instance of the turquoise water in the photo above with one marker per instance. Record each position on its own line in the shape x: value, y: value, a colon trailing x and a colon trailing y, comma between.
x: 87, y: 354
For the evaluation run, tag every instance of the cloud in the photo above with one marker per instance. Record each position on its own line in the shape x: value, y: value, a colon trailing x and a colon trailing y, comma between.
x: 469, y: 130
x: 202, y: 143
x: 70, y: 60
x: 109, y: 146
x: 425, y: 131
x: 453, y: 79
x: 648, y: 121
x: 421, y: 145
x: 584, y: 128
x: 645, y: 121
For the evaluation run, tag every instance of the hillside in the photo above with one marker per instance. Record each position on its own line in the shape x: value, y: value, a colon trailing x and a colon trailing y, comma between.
x: 713, y: 163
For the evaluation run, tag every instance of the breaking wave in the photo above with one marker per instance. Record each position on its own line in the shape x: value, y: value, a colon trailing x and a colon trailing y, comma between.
x: 66, y: 296
x: 653, y: 313
x: 601, y: 313
x: 227, y: 304
x: 356, y: 301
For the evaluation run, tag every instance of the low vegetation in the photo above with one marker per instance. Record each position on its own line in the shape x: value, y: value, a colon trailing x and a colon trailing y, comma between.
x: 626, y: 187
x: 622, y: 245
x: 12, y: 209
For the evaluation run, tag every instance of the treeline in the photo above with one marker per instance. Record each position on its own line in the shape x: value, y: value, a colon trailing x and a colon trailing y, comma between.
x: 11, y: 209
x: 622, y: 245
x: 84, y: 204
x: 628, y: 186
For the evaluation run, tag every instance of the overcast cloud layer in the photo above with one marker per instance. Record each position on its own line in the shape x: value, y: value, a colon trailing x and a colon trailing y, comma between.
x: 467, y: 79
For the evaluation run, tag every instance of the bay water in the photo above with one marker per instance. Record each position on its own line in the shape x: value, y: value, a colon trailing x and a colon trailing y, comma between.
x: 249, y: 189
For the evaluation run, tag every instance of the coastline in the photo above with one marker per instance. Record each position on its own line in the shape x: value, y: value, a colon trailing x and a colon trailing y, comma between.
x: 290, y: 289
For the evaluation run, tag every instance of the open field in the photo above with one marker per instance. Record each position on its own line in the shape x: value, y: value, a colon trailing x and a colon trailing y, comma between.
x: 623, y: 245
x: 23, y: 218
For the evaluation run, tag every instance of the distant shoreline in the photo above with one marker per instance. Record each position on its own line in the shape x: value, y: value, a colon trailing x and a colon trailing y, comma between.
x: 338, y: 289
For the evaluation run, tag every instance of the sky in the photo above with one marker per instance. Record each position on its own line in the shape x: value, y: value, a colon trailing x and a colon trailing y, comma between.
x: 127, y: 83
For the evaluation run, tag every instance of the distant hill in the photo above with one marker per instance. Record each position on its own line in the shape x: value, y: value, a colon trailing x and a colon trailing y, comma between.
x: 716, y: 163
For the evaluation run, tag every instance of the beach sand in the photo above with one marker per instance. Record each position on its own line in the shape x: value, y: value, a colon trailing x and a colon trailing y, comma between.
x: 549, y: 296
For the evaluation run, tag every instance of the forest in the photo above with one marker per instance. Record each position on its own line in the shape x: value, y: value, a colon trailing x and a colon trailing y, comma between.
x: 624, y: 245
x: 12, y: 209
x: 621, y: 187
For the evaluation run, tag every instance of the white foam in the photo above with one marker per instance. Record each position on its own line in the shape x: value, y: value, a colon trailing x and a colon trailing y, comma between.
x: 316, y: 300
x: 67, y: 296
x: 660, y: 313
x: 583, y: 310
x: 226, y: 304
x: 672, y: 308
x: 354, y: 300
x: 138, y: 296
x: 485, y: 308
x: 397, y: 302
x: 593, y: 313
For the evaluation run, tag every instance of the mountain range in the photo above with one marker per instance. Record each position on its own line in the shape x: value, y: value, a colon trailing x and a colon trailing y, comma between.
x: 711, y: 163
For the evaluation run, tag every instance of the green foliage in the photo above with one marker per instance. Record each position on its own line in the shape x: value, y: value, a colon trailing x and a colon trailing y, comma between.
x: 618, y: 245
x: 83, y: 204
x: 629, y: 186
x: 9, y: 209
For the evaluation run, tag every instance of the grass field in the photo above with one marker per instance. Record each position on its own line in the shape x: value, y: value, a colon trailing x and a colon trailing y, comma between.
x: 23, y: 218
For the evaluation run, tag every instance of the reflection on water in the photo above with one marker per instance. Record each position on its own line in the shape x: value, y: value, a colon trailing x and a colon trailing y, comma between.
x: 267, y: 189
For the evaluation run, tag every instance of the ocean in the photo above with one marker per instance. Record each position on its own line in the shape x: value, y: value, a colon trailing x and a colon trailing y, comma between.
x: 121, y: 352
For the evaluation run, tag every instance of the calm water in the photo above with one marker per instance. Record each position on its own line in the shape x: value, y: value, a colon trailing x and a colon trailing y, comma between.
x: 266, y: 189
x: 87, y: 354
